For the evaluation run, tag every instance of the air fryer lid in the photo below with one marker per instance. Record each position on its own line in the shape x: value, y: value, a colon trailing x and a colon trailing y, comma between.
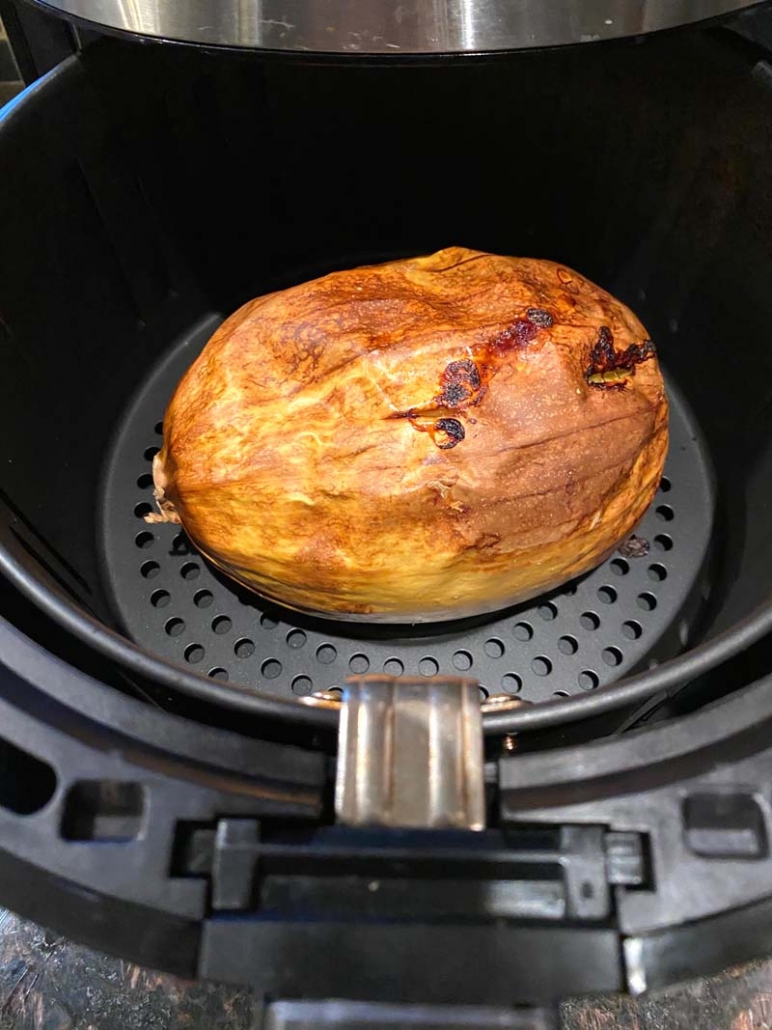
x: 386, y: 27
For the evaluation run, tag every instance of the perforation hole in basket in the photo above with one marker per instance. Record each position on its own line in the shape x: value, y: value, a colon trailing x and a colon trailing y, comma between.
x: 194, y: 653
x: 462, y: 661
x: 302, y: 686
x: 511, y: 683
x: 359, y: 663
x: 244, y: 648
x: 271, y: 668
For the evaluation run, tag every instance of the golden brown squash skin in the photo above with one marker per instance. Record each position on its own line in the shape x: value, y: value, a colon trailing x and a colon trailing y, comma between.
x: 313, y: 450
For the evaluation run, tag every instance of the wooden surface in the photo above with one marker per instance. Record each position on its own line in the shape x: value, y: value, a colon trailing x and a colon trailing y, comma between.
x: 48, y: 983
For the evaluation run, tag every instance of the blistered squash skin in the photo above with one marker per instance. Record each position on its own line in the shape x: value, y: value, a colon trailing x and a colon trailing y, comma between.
x: 421, y: 440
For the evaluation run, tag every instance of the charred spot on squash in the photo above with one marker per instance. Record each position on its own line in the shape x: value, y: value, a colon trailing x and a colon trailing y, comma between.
x: 609, y: 369
x: 464, y: 371
x: 522, y: 331
x: 455, y: 394
x: 448, y: 433
x: 602, y: 357
x: 459, y: 382
x: 543, y: 319
x: 519, y: 334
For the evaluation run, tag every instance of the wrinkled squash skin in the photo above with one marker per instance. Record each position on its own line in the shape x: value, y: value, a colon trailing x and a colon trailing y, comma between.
x: 405, y: 443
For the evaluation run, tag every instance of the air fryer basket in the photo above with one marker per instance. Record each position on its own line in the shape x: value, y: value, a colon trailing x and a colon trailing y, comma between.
x: 172, y: 186
x: 578, y: 638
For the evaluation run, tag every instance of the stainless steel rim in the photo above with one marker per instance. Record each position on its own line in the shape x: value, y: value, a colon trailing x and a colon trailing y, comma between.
x: 393, y: 26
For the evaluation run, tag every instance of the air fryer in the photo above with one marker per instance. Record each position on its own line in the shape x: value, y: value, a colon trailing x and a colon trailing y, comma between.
x: 168, y: 741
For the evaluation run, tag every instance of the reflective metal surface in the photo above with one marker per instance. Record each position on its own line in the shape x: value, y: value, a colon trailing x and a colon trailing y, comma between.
x: 410, y: 753
x: 393, y: 26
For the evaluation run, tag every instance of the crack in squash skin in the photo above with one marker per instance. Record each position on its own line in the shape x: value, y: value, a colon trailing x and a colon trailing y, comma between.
x: 292, y: 460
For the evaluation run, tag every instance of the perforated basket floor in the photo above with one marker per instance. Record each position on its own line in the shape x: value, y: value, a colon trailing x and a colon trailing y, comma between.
x: 586, y: 635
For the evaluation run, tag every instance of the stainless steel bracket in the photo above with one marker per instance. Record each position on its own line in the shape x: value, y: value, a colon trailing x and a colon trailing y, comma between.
x: 410, y: 753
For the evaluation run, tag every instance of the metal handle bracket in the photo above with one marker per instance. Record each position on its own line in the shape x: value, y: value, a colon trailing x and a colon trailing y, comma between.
x: 410, y: 753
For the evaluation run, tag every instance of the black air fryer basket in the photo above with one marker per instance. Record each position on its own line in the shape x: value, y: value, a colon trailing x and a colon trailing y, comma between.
x: 168, y: 740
